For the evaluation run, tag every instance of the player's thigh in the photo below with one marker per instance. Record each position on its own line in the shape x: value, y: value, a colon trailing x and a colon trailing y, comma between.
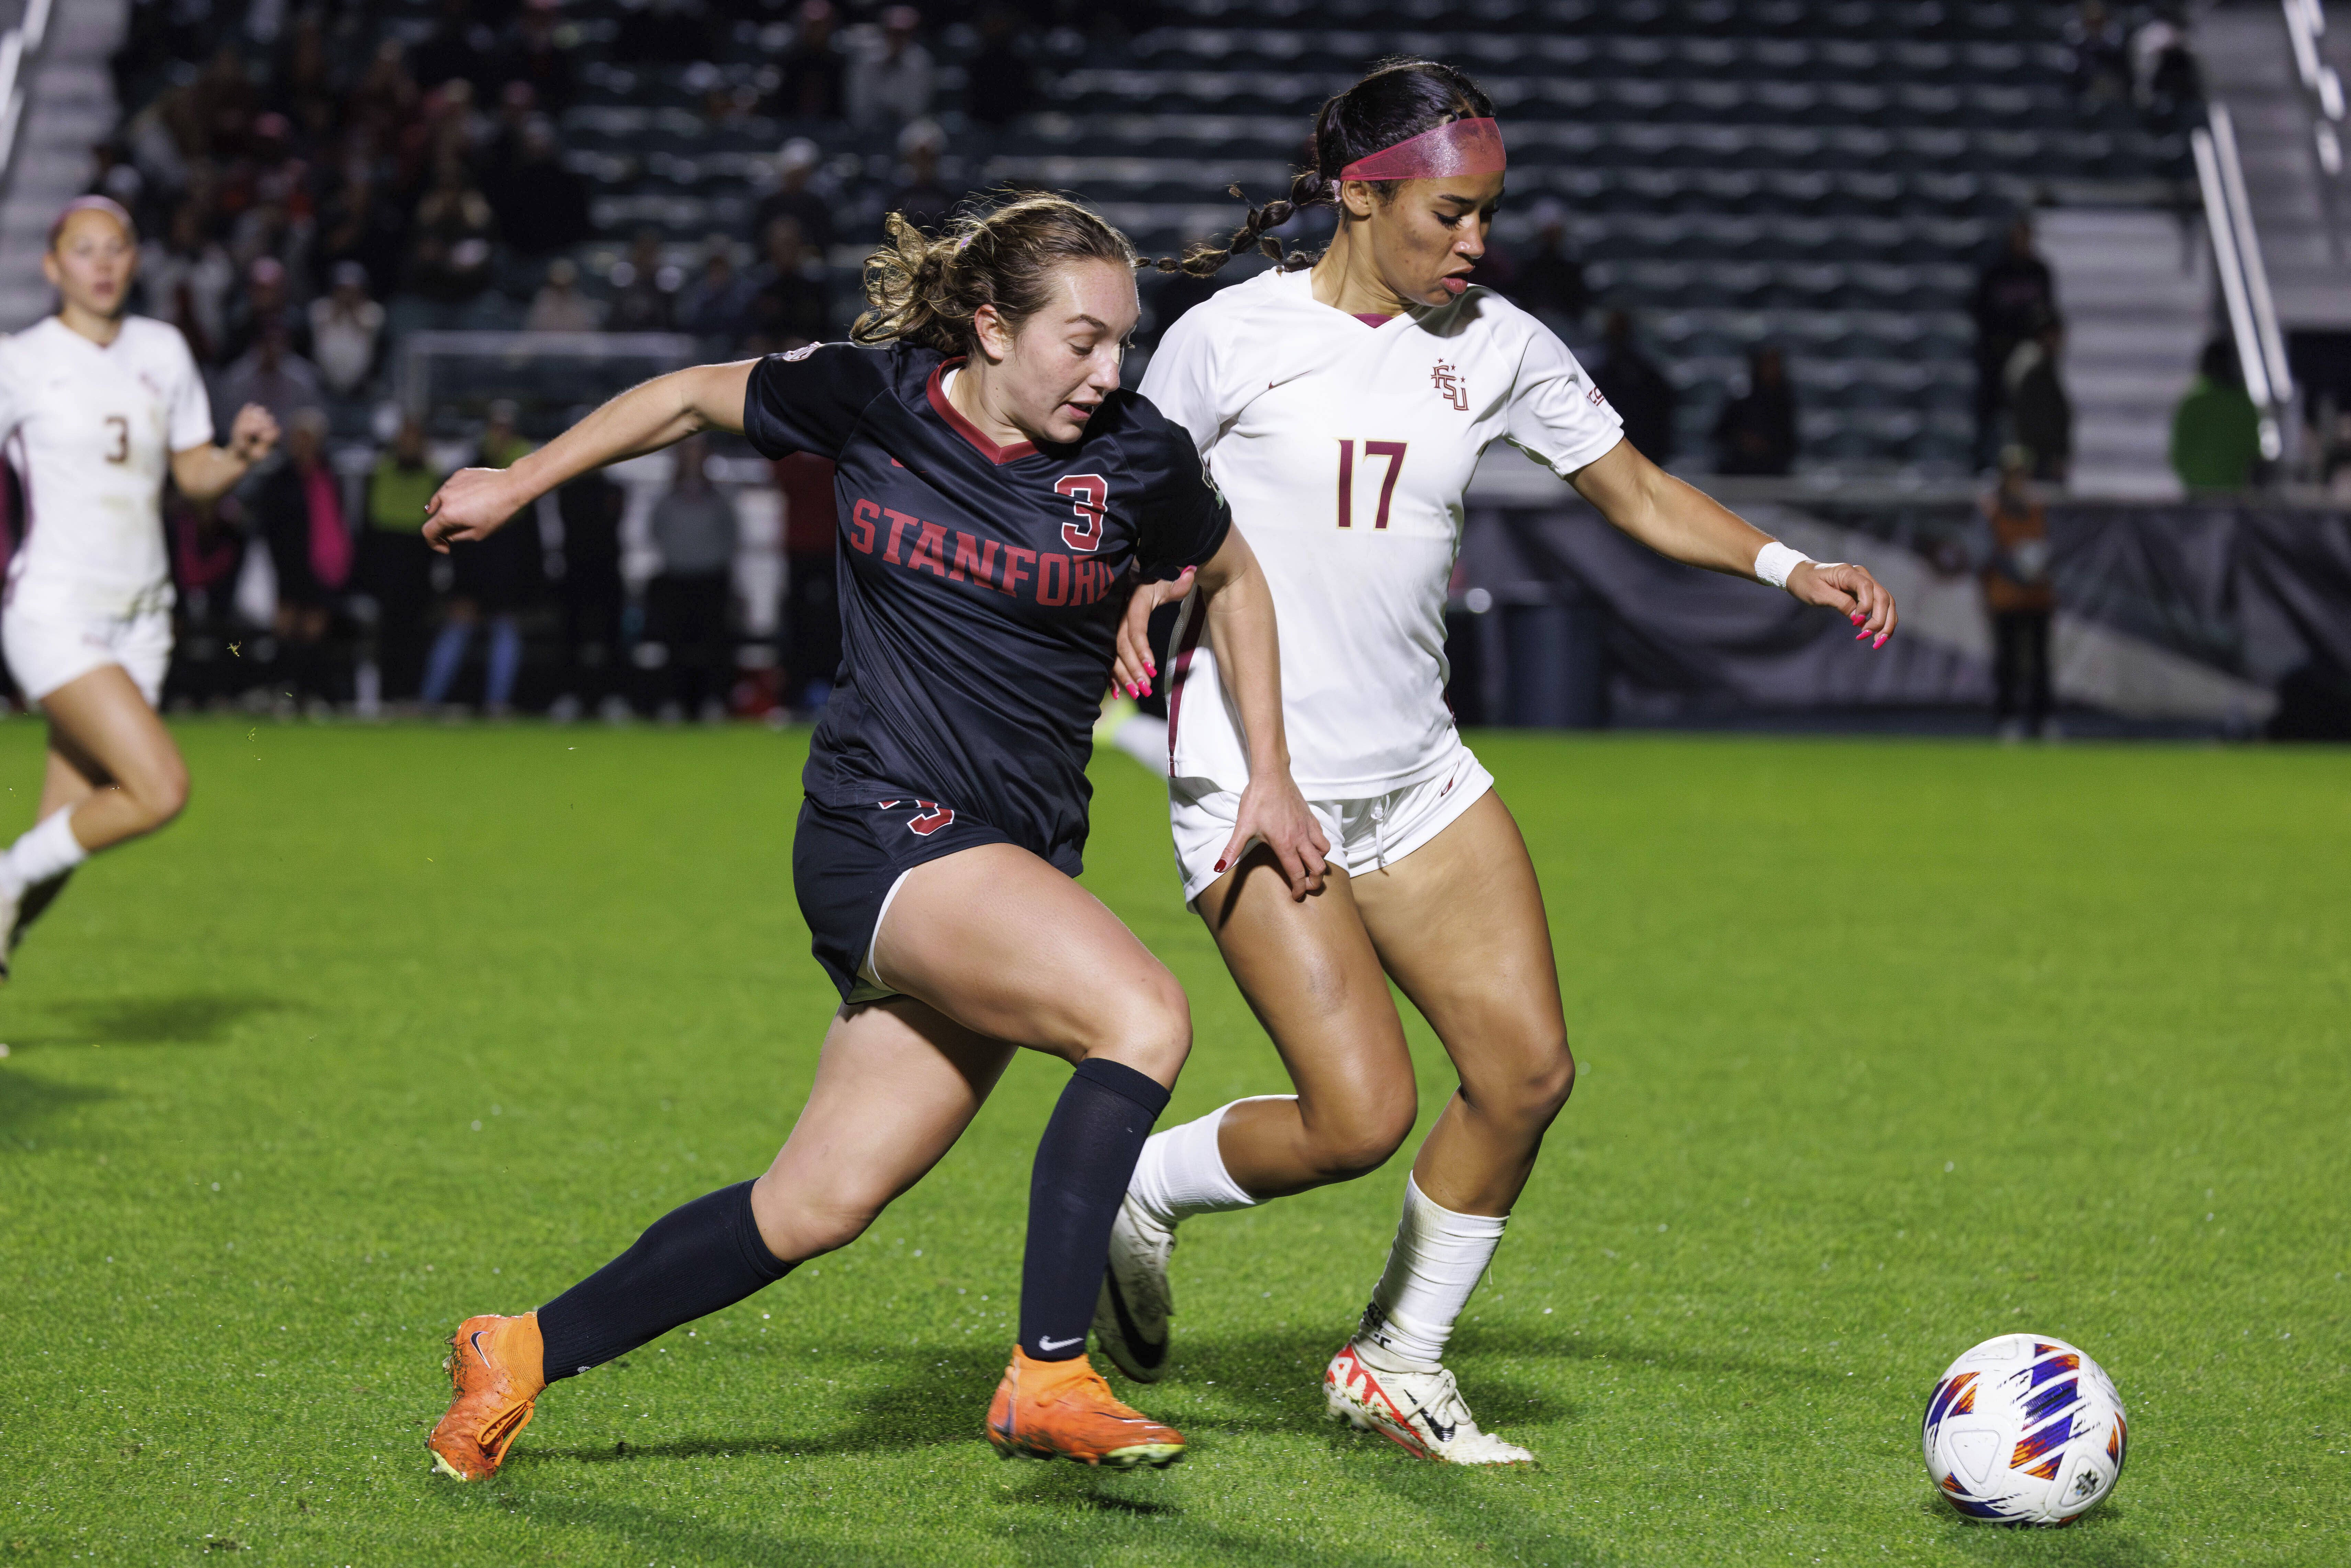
x: 1459, y: 924
x: 896, y: 1083
x: 1309, y: 971
x: 102, y: 719
x: 999, y: 941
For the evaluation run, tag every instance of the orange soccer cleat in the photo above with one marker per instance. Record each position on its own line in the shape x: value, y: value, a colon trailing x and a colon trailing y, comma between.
x: 497, y: 1365
x: 1063, y: 1409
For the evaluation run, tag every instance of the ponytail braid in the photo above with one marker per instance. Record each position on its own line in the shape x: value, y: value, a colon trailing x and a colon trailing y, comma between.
x: 1309, y: 189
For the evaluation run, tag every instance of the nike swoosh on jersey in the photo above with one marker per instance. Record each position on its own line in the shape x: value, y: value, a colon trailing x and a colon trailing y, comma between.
x: 1043, y: 1343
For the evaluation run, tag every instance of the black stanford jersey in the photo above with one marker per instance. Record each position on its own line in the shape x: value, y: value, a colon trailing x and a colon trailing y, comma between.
x: 980, y: 585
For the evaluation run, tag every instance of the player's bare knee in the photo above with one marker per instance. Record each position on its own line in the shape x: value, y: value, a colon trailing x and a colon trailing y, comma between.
x: 1150, y: 1030
x: 800, y: 1226
x: 1359, y: 1138
x: 1549, y: 1079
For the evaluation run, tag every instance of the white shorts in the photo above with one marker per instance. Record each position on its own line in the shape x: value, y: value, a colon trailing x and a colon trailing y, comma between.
x: 48, y: 647
x: 1365, y: 834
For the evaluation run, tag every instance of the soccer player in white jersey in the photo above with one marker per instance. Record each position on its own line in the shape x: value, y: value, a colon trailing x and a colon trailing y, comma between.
x: 1342, y: 411
x: 96, y: 408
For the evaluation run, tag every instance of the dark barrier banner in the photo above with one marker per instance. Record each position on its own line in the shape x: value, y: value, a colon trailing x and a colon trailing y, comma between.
x: 2229, y: 618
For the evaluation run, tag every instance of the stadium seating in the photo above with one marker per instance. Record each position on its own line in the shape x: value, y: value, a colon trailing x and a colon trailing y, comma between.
x: 1827, y: 175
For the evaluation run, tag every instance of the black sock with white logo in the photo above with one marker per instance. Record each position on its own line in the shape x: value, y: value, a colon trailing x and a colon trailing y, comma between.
x: 689, y: 1263
x: 1083, y: 1164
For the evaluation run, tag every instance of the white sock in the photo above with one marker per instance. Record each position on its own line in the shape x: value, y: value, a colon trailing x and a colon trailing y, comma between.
x: 1182, y: 1172
x: 1438, y: 1259
x: 47, y: 849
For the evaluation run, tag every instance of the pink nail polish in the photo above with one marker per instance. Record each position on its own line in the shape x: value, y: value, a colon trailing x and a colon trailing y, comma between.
x: 1881, y: 641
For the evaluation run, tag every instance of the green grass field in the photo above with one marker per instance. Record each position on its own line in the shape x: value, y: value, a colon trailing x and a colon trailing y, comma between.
x: 1887, y: 1048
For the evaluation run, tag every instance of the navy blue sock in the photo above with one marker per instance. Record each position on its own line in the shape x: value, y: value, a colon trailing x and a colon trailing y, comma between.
x: 1083, y: 1164
x: 689, y: 1263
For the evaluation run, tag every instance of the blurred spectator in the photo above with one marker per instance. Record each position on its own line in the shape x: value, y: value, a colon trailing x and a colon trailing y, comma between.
x: 1551, y: 282
x: 359, y: 222
x: 890, y: 76
x: 2094, y: 38
x: 2216, y: 431
x: 2019, y: 597
x: 589, y: 585
x: 790, y: 306
x: 813, y: 68
x: 558, y: 306
x: 1000, y: 83
x: 645, y: 289
x: 686, y: 603
x: 394, y: 568
x: 2164, y: 76
x: 262, y: 306
x: 451, y: 259
x: 666, y: 31
x: 920, y: 193
x: 1644, y: 399
x: 810, y: 633
x: 277, y: 217
x: 2040, y: 415
x: 387, y: 94
x: 458, y: 46
x: 345, y: 328
x: 541, y: 207
x: 1757, y: 431
x: 299, y: 509
x: 188, y: 279
x: 494, y: 579
x: 112, y: 174
x: 302, y: 85
x: 537, y: 56
x: 717, y: 304
x: 207, y: 554
x: 796, y: 166
x: 273, y: 375
x: 2013, y: 296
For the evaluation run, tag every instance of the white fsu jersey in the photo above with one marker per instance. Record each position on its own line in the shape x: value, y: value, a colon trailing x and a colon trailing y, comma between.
x: 1344, y: 450
x: 90, y: 429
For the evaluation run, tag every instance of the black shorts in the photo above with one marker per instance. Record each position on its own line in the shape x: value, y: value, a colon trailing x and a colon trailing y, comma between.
x: 846, y: 865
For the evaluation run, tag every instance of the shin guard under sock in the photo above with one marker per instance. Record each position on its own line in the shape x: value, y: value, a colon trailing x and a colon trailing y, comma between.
x: 1083, y: 1164
x: 688, y: 1264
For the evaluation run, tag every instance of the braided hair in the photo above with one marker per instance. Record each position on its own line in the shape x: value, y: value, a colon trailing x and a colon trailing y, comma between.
x: 925, y: 288
x: 1395, y: 100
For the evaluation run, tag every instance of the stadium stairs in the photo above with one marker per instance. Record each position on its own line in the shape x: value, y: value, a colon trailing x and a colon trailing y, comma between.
x: 68, y: 108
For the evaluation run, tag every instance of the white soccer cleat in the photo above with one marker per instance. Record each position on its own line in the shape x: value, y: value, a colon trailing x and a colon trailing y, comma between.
x: 1418, y: 1410
x: 11, y: 904
x: 1132, y: 1313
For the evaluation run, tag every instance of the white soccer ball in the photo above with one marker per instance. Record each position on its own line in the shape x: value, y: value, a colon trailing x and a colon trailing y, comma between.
x: 2025, y: 1430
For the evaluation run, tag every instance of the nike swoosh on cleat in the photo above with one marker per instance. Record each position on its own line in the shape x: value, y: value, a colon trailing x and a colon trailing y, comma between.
x: 1044, y: 1344
x: 476, y: 1340
x: 1443, y: 1433
x: 1136, y: 1344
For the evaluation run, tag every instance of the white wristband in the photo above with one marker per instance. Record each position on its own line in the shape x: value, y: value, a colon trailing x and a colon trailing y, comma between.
x: 1775, y: 560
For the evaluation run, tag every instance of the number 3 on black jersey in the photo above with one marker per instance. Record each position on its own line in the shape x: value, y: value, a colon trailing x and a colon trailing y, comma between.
x: 1089, y: 495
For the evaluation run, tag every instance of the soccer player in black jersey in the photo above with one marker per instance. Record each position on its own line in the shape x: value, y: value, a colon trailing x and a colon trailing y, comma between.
x: 997, y: 495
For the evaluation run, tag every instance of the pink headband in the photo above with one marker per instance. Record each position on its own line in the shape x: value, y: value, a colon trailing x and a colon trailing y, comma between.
x: 106, y: 205
x: 1456, y: 147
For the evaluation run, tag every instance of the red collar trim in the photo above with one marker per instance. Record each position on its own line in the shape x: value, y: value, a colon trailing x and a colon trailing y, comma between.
x: 947, y: 411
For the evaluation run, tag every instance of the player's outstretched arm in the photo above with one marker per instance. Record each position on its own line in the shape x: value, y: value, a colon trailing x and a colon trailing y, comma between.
x: 206, y: 471
x: 1249, y: 657
x: 1683, y: 521
x: 473, y: 503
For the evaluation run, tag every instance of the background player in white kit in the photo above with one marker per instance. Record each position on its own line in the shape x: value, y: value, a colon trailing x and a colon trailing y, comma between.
x: 1341, y: 412
x: 95, y: 408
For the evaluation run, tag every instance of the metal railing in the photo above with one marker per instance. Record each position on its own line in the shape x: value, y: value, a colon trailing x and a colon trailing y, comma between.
x: 2306, y: 24
x: 20, y: 48
x: 2244, y: 281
